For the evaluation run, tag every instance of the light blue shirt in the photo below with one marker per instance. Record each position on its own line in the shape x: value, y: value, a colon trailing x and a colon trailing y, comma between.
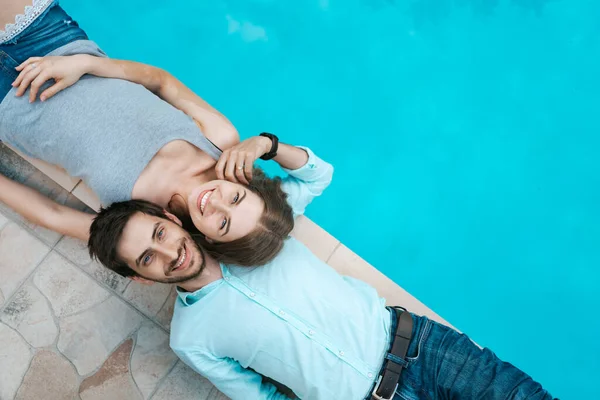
x: 302, y: 185
x: 295, y: 320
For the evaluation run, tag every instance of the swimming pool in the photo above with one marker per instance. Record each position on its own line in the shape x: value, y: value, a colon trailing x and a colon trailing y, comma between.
x: 464, y: 135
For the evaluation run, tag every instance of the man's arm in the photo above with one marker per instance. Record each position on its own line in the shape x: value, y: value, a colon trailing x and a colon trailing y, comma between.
x: 67, y: 70
x: 306, y: 182
x: 230, y: 377
x: 42, y: 211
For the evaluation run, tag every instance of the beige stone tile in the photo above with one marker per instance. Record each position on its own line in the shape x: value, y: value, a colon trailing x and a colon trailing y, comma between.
x: 50, y: 377
x: 165, y: 314
x: 74, y: 250
x: 183, y: 383
x: 45, y: 235
x: 30, y: 315
x: 87, y: 338
x: 112, y: 380
x: 87, y: 196
x: 15, y: 356
x: 77, y: 252
x: 348, y: 263
x: 110, y: 279
x: 3, y: 221
x: 77, y: 204
x: 55, y: 173
x: 147, y: 298
x: 320, y: 242
x: 152, y: 357
x: 67, y: 288
x: 20, y: 253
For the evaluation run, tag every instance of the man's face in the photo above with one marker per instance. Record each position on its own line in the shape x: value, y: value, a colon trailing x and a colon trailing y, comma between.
x: 160, y: 250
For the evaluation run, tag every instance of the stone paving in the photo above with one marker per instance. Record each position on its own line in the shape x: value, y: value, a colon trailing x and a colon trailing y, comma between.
x: 71, y: 329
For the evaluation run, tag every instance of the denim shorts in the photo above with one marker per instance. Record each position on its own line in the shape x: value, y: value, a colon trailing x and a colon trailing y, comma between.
x: 52, y: 29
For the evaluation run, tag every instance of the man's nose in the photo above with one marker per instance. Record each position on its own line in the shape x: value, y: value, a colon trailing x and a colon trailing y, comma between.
x: 169, y: 252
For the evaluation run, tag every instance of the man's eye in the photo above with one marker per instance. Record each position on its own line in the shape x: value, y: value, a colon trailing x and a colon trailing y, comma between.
x: 147, y: 259
x: 161, y: 233
x: 223, y: 223
x: 236, y: 198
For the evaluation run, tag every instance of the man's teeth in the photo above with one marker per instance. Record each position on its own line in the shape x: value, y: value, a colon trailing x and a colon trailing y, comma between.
x: 181, y: 261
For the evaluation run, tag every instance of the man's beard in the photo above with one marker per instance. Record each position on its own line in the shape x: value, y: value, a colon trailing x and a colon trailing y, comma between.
x: 181, y: 279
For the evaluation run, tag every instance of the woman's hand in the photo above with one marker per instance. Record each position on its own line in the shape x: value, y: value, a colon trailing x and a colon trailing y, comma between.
x: 236, y: 163
x: 34, y: 72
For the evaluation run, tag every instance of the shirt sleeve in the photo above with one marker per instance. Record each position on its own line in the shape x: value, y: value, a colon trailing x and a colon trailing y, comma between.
x: 235, y: 381
x: 302, y: 185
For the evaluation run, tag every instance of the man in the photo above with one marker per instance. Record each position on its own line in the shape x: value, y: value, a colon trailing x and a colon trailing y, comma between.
x: 297, y: 322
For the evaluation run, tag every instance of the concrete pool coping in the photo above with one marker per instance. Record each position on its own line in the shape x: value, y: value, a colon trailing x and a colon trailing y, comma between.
x: 320, y: 242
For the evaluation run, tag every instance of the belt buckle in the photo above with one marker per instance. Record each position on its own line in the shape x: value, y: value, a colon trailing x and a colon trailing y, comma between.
x: 378, y: 397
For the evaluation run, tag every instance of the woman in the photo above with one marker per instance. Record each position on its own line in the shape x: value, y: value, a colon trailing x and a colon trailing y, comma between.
x: 125, y: 142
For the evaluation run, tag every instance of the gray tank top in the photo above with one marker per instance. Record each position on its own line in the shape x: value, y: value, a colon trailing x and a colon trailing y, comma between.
x: 104, y: 131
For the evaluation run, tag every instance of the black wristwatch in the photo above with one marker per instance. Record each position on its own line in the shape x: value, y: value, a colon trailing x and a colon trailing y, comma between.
x: 274, y: 145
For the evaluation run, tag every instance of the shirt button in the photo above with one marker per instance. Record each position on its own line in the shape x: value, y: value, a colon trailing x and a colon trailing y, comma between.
x: 227, y: 278
x: 311, y: 332
x: 341, y: 353
x: 252, y: 294
x: 370, y: 375
x: 281, y: 312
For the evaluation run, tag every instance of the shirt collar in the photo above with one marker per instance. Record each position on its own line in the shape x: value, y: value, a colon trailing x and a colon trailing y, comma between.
x: 189, y: 298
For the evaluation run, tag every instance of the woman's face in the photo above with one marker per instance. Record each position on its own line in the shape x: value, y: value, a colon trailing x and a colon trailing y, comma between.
x: 224, y: 211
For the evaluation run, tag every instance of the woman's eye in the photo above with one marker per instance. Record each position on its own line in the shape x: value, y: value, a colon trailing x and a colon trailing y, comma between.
x: 236, y: 198
x: 223, y: 223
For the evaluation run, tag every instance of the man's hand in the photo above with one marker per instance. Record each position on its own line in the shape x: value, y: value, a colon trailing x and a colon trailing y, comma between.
x: 236, y: 163
x: 36, y: 71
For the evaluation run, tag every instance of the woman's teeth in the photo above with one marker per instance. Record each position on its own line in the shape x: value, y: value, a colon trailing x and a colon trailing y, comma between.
x: 204, y: 201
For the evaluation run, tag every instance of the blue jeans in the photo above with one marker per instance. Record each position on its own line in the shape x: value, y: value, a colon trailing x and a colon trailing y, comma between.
x: 51, y: 30
x: 444, y: 364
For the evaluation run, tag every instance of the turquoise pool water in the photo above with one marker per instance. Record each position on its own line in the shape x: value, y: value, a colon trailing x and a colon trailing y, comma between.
x: 465, y: 136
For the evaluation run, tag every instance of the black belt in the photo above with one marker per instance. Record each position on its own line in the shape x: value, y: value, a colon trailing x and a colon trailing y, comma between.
x: 388, y: 381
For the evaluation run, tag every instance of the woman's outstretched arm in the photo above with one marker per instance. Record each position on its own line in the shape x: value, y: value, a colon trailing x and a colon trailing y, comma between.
x: 43, y: 211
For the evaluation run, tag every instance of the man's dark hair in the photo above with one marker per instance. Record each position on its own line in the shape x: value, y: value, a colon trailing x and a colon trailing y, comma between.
x: 107, y: 229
